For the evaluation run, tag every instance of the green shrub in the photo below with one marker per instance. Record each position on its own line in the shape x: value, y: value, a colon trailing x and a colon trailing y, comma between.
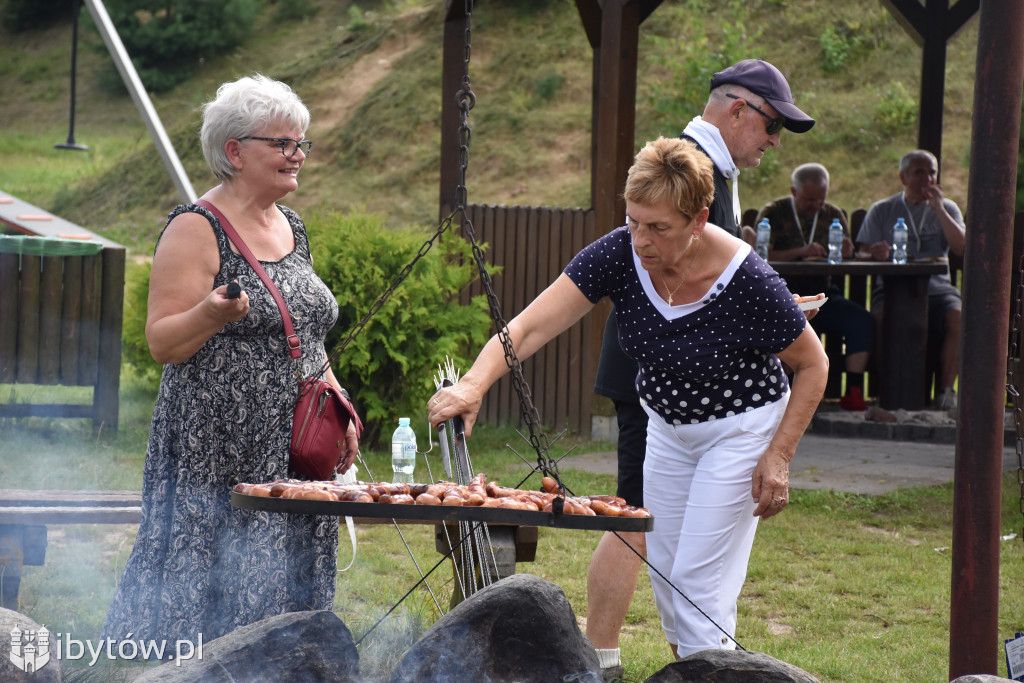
x: 548, y: 86
x: 295, y: 10
x: 168, y: 39
x: 389, y: 367
x: 896, y: 111
x: 835, y: 47
x: 134, y: 347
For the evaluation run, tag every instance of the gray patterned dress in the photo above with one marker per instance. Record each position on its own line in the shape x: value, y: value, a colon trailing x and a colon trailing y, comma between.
x: 199, y: 565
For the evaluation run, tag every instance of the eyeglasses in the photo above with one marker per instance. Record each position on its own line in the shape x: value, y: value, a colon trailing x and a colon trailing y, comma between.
x: 773, y: 126
x: 288, y: 146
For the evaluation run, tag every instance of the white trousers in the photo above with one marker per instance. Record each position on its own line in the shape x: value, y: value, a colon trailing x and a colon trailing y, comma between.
x: 697, y: 484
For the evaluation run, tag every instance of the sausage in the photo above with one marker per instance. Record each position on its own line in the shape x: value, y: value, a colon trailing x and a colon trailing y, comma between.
x: 453, y: 499
x: 313, y: 493
x: 356, y: 497
x: 278, y: 488
x: 609, y: 499
x: 549, y: 484
x: 427, y: 499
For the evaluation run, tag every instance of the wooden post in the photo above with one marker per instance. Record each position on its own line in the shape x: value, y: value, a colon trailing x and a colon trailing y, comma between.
x: 977, y: 484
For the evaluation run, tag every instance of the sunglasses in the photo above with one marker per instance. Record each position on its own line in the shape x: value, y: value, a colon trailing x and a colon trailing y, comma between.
x: 288, y: 146
x: 773, y: 126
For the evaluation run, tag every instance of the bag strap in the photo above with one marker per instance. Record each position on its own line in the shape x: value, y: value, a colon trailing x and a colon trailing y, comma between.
x: 294, y: 347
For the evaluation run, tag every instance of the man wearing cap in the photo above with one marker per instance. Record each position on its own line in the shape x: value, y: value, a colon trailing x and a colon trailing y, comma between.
x: 749, y: 105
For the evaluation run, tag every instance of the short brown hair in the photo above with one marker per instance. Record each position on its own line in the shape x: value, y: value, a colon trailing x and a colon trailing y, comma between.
x: 671, y: 168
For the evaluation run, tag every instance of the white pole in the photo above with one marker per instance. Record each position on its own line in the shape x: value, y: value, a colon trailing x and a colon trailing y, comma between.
x: 138, y: 92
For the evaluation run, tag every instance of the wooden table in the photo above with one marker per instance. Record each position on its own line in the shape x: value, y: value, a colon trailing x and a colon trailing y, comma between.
x: 904, y: 323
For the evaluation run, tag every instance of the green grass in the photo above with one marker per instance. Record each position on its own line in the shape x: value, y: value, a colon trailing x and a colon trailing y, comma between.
x: 847, y: 587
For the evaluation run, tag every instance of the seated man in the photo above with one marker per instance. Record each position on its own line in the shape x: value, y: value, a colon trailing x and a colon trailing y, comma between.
x: 800, y: 224
x: 935, y: 227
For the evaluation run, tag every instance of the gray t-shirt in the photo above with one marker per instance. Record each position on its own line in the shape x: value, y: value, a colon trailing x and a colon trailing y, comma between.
x: 925, y: 239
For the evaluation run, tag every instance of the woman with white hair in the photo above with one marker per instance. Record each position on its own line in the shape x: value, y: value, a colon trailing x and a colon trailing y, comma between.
x: 200, y: 566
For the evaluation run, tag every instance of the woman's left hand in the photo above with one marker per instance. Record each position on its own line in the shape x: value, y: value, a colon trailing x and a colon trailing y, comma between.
x: 351, y: 448
x: 770, y: 487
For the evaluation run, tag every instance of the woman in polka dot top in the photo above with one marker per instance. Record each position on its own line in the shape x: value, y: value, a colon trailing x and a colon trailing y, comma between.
x: 708, y: 322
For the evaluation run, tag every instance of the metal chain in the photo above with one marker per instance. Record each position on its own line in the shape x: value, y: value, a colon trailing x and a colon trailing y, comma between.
x: 465, y: 100
x: 1013, y: 381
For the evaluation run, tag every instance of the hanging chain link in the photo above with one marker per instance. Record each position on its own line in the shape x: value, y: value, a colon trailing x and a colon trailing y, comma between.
x: 465, y: 100
x: 1013, y: 382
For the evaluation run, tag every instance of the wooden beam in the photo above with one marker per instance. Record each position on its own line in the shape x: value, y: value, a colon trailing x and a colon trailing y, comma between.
x: 909, y: 14
x: 931, y: 26
x: 590, y: 15
x: 452, y: 71
x: 958, y: 15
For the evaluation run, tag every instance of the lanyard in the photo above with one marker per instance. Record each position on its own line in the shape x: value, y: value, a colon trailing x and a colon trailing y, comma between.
x: 910, y: 219
x: 800, y: 225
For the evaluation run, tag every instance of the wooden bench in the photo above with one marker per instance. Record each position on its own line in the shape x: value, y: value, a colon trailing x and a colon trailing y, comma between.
x: 25, y: 514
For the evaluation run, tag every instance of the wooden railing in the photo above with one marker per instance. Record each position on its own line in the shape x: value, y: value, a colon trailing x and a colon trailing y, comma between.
x: 60, y: 324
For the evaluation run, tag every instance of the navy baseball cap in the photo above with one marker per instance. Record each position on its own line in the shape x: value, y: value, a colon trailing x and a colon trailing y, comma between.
x: 761, y: 78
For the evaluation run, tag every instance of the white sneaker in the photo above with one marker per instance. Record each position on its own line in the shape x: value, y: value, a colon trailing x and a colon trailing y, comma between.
x: 945, y: 401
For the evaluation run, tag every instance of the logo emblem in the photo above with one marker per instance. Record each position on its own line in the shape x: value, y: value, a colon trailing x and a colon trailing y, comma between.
x: 30, y: 650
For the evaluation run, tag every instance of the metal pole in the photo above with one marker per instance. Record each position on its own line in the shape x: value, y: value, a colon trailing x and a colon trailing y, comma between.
x: 138, y: 92
x: 71, y: 144
x: 974, y: 609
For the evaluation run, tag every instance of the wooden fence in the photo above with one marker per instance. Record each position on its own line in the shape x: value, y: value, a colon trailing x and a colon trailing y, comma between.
x: 531, y: 246
x: 60, y: 323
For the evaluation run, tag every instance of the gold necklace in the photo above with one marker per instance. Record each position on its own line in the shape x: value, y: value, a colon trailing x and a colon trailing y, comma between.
x: 693, y: 262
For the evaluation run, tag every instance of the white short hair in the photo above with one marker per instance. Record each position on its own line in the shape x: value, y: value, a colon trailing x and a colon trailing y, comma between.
x: 805, y: 173
x: 246, y: 107
x: 916, y: 154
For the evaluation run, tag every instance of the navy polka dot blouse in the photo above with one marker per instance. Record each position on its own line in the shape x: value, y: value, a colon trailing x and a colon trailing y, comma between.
x: 701, y: 361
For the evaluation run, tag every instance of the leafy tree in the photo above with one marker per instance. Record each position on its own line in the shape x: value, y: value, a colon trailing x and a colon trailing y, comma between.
x: 168, y: 39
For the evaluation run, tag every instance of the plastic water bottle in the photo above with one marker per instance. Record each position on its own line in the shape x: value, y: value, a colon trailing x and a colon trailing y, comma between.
x: 403, y: 451
x: 899, y: 241
x: 764, y: 237
x: 835, y: 242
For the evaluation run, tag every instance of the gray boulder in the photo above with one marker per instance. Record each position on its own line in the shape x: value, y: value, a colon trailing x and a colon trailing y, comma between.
x: 33, y: 658
x: 731, y: 666
x: 518, y: 629
x: 294, y: 647
x: 982, y: 678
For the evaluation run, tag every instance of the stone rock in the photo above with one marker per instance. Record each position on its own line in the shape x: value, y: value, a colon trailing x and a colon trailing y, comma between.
x: 30, y: 669
x: 294, y: 647
x: 731, y: 666
x: 518, y: 629
x: 982, y: 678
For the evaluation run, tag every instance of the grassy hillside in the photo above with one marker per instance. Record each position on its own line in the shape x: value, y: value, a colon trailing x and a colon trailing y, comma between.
x: 374, y: 90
